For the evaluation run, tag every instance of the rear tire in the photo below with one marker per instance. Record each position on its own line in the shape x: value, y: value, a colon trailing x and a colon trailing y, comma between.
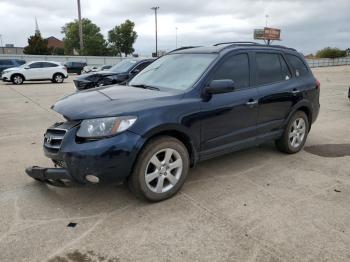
x: 295, y: 134
x: 160, y: 170
x: 58, y: 78
x: 17, y: 79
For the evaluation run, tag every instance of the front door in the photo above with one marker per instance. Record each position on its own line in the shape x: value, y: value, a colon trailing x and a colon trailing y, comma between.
x: 229, y: 120
x: 34, y: 71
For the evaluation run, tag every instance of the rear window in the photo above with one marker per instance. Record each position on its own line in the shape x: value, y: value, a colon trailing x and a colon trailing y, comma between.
x: 20, y: 62
x: 47, y: 64
x: 5, y: 62
x: 299, y: 68
x: 271, y: 68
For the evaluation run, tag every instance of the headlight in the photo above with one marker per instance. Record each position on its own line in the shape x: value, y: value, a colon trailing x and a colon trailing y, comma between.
x: 105, y: 127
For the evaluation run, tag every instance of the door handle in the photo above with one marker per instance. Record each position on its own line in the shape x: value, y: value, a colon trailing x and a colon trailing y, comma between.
x: 295, y: 91
x: 252, y: 102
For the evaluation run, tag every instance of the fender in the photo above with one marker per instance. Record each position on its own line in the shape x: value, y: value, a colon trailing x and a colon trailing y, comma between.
x: 192, y: 141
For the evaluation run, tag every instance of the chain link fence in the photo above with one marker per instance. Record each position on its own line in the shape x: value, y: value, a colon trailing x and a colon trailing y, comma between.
x: 322, y: 62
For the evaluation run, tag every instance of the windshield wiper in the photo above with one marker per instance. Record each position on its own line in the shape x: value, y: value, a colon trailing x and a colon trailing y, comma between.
x: 146, y: 87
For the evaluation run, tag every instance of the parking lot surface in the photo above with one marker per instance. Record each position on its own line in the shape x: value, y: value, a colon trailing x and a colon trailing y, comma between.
x: 253, y: 205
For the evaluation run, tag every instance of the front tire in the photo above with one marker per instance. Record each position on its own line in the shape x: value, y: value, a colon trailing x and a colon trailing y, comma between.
x: 17, y: 79
x: 160, y: 170
x: 58, y: 78
x: 295, y: 134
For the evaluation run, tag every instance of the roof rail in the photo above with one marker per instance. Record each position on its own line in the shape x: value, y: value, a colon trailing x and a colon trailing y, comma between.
x: 182, y: 48
x: 233, y: 44
x: 238, y: 43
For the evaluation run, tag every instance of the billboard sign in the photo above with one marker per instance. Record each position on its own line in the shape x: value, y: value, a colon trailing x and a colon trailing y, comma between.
x: 267, y: 33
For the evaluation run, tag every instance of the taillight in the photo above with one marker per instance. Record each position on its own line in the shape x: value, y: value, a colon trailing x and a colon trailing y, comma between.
x: 318, y: 84
x: 65, y: 68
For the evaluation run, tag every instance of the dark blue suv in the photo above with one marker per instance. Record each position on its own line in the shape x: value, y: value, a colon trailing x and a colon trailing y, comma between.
x: 187, y: 106
x: 8, y: 63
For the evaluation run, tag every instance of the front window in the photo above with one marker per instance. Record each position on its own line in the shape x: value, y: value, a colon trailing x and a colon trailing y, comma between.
x: 123, y: 66
x: 174, y: 71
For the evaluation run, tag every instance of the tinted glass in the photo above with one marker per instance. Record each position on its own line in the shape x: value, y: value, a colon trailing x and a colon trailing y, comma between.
x: 35, y: 65
x: 123, y: 66
x: 235, y: 68
x: 47, y: 64
x: 174, y: 71
x: 5, y: 62
x: 298, y: 65
x: 141, y: 66
x: 268, y: 68
x: 20, y: 62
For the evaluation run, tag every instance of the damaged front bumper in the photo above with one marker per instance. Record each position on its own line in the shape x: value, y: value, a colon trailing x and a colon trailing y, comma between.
x: 79, y: 162
x: 53, y: 176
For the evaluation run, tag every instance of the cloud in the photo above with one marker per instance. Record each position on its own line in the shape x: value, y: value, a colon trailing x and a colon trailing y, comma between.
x: 307, y: 25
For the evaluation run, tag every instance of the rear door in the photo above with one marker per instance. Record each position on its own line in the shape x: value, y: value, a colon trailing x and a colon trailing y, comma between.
x: 277, y: 92
x: 229, y: 119
x: 48, y: 69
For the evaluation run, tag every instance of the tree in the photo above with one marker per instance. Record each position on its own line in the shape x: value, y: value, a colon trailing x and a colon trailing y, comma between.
x: 94, y: 42
x: 36, y: 45
x: 122, y: 38
x: 329, y: 52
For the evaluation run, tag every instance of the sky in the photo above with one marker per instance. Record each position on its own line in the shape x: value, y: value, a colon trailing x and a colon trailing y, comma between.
x: 307, y: 25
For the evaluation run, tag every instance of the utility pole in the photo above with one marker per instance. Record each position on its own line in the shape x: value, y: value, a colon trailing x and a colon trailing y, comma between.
x: 176, y: 37
x: 155, y: 8
x: 80, y: 28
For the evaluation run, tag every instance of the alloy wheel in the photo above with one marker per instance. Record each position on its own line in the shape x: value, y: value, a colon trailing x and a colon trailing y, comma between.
x: 163, y: 170
x: 58, y: 78
x: 18, y: 80
x: 297, y: 132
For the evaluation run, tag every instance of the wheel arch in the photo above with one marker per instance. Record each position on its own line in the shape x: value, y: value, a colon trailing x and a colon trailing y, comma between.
x: 20, y: 74
x: 304, y: 107
x: 177, y: 133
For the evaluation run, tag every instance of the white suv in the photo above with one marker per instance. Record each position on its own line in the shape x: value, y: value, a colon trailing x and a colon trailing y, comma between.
x: 35, y: 71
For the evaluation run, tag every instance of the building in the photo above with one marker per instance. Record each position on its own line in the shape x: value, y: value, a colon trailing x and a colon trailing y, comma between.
x: 10, y: 49
x: 53, y: 42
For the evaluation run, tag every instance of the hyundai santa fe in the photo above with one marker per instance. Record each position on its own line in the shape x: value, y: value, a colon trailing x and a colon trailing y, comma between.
x: 187, y: 106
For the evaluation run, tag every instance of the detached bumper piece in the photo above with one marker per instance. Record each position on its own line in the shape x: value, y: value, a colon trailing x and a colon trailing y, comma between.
x: 59, y: 177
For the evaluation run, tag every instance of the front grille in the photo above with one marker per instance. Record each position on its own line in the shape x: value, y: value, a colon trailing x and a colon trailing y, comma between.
x: 53, y: 139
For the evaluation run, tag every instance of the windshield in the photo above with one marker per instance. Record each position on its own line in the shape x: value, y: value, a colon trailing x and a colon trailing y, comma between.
x: 174, y: 71
x: 123, y: 66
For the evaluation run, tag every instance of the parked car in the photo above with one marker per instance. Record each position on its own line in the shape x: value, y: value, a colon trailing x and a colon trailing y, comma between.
x: 8, y: 63
x: 120, y: 73
x: 75, y: 67
x: 88, y: 69
x: 187, y: 106
x: 35, y: 71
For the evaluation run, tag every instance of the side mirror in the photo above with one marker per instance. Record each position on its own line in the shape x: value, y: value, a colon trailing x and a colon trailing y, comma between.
x: 26, y: 67
x: 220, y: 86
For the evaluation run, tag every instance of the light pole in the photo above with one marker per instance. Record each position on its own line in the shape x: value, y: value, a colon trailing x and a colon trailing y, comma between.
x: 155, y: 8
x: 176, y: 37
x: 2, y: 47
x: 266, y: 18
x: 80, y: 27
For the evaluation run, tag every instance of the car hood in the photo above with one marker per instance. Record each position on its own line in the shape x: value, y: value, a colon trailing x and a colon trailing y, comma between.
x: 12, y: 69
x: 111, y: 101
x: 93, y: 74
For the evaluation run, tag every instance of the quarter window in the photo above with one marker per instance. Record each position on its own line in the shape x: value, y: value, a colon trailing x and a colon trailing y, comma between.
x: 235, y: 68
x: 299, y: 68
